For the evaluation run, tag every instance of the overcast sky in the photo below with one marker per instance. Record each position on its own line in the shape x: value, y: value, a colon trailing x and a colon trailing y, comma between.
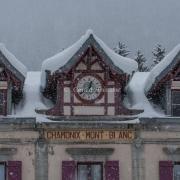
x: 34, y: 30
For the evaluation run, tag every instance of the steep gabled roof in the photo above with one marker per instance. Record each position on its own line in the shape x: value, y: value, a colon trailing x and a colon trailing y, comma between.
x: 68, y: 57
x: 169, y: 62
x: 11, y: 63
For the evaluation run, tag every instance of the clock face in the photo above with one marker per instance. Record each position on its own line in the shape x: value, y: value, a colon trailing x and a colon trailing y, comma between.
x: 89, y: 87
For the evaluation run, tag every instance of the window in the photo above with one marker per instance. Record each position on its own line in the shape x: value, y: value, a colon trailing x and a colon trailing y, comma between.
x: 175, y: 97
x: 72, y: 170
x: 90, y: 171
x: 2, y: 171
x: 1, y: 102
x: 176, y: 171
x: 176, y: 102
x: 169, y: 170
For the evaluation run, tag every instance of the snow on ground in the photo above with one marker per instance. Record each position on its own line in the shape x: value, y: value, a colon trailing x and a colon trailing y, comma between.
x: 13, y: 60
x: 56, y: 62
x: 137, y: 98
x: 156, y: 71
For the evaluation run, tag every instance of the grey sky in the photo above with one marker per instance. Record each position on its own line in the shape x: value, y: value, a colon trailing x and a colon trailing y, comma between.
x: 34, y: 30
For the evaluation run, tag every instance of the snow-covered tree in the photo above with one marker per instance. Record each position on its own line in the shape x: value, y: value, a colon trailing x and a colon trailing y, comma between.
x: 141, y: 60
x: 121, y: 49
x: 158, y: 54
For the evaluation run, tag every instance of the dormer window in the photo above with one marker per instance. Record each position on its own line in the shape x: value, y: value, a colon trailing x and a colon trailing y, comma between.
x: 163, y: 83
x: 1, y: 69
x: 12, y: 76
x: 3, y: 97
x: 175, y: 95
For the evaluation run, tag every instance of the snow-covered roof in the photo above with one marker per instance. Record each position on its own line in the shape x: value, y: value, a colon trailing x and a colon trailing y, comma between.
x: 11, y: 62
x: 33, y: 99
x: 162, y: 68
x: 31, y: 95
x: 137, y: 98
x: 71, y: 54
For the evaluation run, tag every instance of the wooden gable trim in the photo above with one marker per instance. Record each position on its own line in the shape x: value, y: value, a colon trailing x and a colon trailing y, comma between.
x: 90, y: 42
x: 89, y: 64
x: 166, y: 75
x: 11, y: 68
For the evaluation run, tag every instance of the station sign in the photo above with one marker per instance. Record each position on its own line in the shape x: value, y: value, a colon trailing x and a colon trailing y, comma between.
x: 89, y: 135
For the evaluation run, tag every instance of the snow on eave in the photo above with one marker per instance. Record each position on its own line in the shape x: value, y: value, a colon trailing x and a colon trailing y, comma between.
x: 13, y: 61
x: 31, y: 97
x: 137, y: 98
x: 125, y: 64
x: 60, y: 61
x: 162, y: 68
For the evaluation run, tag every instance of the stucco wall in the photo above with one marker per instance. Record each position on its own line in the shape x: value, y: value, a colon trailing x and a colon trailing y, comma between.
x: 159, y: 134
x: 19, y: 134
x: 122, y: 152
x: 25, y: 154
x: 23, y: 144
x: 153, y: 154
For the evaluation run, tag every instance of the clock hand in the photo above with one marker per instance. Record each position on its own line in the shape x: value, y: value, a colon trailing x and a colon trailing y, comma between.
x: 90, y: 85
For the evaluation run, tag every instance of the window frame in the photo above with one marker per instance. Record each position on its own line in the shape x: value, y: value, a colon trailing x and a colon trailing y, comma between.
x: 3, y: 104
x: 172, y: 103
x: 91, y: 163
x: 175, y: 163
x: 5, y: 169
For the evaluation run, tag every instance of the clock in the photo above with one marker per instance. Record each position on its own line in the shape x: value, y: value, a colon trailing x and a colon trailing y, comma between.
x: 88, y: 87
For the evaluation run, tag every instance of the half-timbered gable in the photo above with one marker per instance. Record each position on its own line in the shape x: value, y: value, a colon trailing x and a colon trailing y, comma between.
x: 12, y: 76
x: 87, y: 79
x: 163, y: 84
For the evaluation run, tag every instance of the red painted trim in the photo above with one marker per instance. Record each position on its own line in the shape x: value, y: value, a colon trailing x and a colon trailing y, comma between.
x: 106, y: 91
x: 108, y: 86
x: 72, y: 95
x: 90, y: 71
x: 85, y: 104
x: 117, y: 98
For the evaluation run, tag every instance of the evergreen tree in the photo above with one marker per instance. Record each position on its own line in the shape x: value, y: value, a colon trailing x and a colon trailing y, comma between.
x: 158, y: 54
x: 140, y: 59
x: 121, y: 49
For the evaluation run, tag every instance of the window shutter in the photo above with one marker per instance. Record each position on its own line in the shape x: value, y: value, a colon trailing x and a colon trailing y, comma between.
x: 165, y: 170
x: 112, y: 170
x: 68, y: 170
x: 14, y: 170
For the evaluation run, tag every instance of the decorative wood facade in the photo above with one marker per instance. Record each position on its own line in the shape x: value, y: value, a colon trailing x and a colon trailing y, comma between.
x: 93, y: 63
x: 166, y: 89
x: 11, y: 85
